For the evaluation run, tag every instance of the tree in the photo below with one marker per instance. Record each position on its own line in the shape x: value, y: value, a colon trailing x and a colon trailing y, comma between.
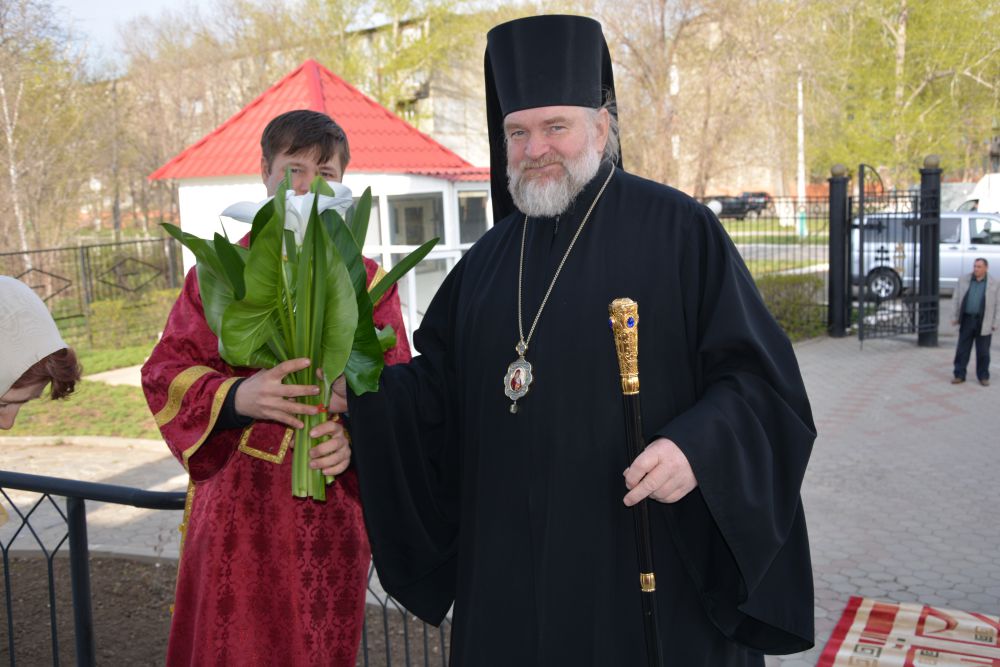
x: 906, y: 78
x: 42, y: 108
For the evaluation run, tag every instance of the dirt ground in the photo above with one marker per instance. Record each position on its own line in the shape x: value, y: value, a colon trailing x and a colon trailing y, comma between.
x: 131, y: 608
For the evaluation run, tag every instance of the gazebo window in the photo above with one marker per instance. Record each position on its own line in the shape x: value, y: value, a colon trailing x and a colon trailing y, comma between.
x: 414, y: 219
x: 471, y: 215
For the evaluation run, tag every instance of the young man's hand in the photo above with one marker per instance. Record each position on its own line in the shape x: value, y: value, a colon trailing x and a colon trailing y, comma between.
x: 334, y: 455
x: 263, y: 396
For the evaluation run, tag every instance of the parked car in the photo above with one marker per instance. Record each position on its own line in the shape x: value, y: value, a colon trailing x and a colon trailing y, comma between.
x: 891, y: 260
x: 725, y: 206
x: 757, y: 202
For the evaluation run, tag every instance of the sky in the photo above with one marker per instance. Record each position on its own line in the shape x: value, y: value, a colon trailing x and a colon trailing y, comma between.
x: 96, y: 22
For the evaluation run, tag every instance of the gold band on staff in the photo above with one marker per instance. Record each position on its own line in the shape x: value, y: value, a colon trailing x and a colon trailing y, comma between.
x: 647, y: 582
x: 623, y: 311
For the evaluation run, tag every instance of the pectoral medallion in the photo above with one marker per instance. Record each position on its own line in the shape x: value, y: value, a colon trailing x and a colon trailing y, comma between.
x: 518, y: 378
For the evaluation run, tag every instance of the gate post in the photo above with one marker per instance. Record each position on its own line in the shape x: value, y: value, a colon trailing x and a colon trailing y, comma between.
x: 929, y: 304
x: 838, y: 287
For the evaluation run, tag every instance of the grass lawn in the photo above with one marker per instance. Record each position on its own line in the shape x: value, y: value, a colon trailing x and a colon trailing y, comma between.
x: 100, y: 360
x: 93, y: 409
x: 761, y: 267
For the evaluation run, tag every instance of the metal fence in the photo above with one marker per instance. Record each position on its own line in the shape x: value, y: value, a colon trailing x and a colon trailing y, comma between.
x: 106, y: 294
x: 390, y: 636
x: 785, y: 245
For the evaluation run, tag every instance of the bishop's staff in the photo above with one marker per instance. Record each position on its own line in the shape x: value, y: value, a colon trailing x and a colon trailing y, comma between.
x: 625, y: 326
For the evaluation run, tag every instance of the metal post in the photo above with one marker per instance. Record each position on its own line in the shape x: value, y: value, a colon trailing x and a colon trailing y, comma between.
x: 79, y: 566
x: 928, y: 303
x: 838, y: 288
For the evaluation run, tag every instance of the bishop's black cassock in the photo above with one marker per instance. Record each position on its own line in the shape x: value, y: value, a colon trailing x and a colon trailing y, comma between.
x: 519, y: 519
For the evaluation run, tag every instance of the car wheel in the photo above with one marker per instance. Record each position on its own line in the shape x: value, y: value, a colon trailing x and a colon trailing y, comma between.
x: 883, y: 284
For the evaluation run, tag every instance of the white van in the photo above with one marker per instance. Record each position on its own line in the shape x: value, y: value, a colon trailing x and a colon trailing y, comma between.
x: 890, y: 260
x: 985, y: 197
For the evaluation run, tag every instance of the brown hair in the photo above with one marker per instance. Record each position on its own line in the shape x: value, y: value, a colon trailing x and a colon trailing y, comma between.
x: 60, y: 368
x: 302, y: 130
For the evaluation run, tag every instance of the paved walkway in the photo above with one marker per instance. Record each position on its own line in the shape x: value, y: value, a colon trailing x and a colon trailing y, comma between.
x: 900, y: 495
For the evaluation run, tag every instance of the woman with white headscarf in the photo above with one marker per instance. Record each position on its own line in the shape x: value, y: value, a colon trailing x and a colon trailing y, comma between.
x: 32, y: 353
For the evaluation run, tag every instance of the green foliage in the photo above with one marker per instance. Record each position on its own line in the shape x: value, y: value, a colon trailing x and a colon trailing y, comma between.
x: 115, y: 323
x: 794, y: 302
x: 891, y: 82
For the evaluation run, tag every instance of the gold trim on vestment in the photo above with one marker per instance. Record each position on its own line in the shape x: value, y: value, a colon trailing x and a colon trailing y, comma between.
x: 175, y: 393
x: 217, y: 401
x: 261, y: 454
x: 379, y: 275
x: 183, y: 528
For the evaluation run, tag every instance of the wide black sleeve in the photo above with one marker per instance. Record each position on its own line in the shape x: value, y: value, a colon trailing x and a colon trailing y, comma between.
x: 406, y: 452
x: 748, y: 437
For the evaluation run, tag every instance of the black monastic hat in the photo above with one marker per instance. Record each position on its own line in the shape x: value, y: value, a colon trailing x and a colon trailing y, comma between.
x: 540, y: 61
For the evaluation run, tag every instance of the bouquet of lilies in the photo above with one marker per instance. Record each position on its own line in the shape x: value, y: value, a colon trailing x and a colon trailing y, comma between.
x: 299, y: 290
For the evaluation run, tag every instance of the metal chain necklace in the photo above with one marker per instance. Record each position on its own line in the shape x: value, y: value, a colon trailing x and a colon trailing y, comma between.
x: 519, y: 374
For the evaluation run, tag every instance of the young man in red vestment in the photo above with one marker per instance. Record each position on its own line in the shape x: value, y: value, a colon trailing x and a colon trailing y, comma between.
x: 264, y: 578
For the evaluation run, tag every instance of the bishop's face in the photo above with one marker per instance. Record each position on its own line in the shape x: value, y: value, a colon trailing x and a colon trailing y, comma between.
x: 552, y: 153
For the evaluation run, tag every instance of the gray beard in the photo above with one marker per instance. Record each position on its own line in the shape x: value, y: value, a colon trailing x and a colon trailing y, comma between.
x: 551, y: 197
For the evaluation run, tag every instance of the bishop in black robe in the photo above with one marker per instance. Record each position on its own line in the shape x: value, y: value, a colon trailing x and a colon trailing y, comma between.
x: 518, y: 518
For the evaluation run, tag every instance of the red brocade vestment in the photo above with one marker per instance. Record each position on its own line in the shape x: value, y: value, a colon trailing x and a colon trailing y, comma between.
x: 264, y: 578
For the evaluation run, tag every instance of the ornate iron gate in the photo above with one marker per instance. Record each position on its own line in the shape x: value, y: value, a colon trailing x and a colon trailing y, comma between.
x: 885, y: 252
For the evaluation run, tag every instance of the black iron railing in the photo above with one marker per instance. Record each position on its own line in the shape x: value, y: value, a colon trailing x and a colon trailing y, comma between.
x: 76, y: 494
x: 391, y: 635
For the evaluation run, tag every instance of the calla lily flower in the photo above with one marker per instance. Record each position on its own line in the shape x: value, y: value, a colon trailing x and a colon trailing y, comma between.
x: 297, y: 208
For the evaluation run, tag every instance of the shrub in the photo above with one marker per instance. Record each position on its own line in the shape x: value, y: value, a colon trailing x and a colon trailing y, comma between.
x: 116, y: 323
x: 797, y: 303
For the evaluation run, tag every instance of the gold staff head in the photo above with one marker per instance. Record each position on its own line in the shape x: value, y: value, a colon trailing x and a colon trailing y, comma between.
x: 625, y: 326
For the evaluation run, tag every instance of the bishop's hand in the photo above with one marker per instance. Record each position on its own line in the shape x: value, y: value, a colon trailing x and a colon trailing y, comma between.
x: 661, y: 472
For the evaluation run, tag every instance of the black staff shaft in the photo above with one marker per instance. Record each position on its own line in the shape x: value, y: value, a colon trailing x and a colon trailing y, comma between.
x: 624, y: 320
x: 643, y: 542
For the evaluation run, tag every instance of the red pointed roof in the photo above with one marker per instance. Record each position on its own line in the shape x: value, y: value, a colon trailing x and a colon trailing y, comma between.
x: 380, y: 141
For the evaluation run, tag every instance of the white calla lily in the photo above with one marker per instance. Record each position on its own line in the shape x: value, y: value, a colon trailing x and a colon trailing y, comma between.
x: 297, y: 208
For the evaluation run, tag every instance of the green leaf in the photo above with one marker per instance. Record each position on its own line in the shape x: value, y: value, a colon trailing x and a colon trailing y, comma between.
x: 216, y: 295
x: 204, y: 252
x: 399, y: 269
x: 365, y: 364
x: 246, y: 328
x: 290, y: 248
x: 262, y: 272
x: 264, y: 216
x: 305, y: 285
x: 340, y: 318
x: 360, y: 216
x: 232, y: 265
x: 386, y: 337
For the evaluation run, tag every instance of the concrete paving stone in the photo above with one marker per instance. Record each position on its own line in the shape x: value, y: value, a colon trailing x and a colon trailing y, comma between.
x: 853, y: 572
x: 845, y: 588
x: 956, y: 578
x: 933, y: 600
x: 990, y: 602
x: 951, y: 594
